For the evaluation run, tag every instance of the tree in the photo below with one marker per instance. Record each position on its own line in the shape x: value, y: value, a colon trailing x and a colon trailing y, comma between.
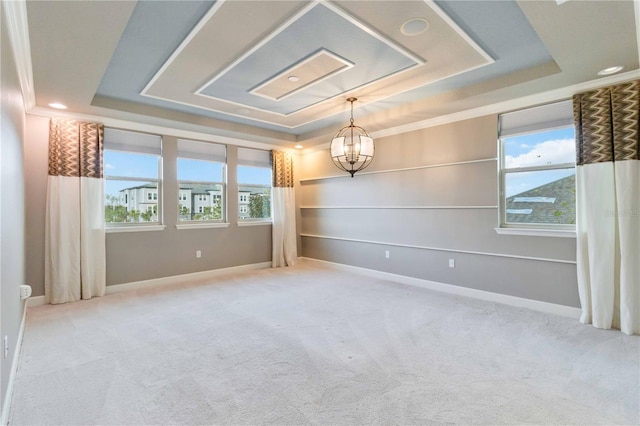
x: 133, y: 216
x: 185, y: 213
x: 259, y: 206
x: 114, y: 214
x: 113, y: 211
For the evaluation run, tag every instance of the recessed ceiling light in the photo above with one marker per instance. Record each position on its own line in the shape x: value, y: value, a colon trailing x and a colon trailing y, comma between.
x: 293, y: 78
x: 298, y: 147
x: 414, y: 26
x: 611, y: 70
x: 57, y: 105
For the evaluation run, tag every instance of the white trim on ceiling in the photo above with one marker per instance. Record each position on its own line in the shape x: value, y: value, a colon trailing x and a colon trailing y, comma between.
x: 214, y: 9
x: 335, y: 9
x: 18, y: 31
x: 255, y: 47
x: 417, y: 60
x: 346, y: 65
x: 471, y: 42
x: 293, y: 19
x: 343, y: 94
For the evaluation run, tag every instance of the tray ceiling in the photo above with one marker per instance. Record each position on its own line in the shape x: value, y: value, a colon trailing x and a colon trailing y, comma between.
x: 281, y: 70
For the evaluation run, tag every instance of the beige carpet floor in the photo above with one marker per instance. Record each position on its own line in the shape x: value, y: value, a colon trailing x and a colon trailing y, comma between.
x: 311, y: 345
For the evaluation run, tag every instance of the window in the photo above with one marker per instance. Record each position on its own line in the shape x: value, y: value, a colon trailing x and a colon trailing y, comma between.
x: 202, y: 180
x: 254, y: 185
x: 132, y: 168
x: 537, y: 175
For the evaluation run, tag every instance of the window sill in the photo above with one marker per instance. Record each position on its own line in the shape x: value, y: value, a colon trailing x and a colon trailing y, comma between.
x: 529, y: 232
x: 255, y: 223
x: 118, y: 229
x: 202, y: 225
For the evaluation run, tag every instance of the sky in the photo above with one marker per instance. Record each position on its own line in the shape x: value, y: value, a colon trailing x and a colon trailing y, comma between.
x: 128, y: 164
x: 538, y: 149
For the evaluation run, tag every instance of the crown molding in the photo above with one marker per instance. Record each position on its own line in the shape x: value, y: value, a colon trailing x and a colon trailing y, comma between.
x: 18, y: 30
x: 166, y: 128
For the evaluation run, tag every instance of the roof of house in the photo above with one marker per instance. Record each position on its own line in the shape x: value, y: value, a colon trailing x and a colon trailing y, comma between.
x: 554, y: 202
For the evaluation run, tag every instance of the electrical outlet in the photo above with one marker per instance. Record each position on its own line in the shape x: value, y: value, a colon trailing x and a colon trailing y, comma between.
x: 386, y: 254
x: 6, y: 346
x: 452, y: 263
x: 198, y: 254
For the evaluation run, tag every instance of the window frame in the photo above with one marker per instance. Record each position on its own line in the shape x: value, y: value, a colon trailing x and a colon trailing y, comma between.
x: 524, y: 228
x: 141, y: 225
x: 255, y: 158
x: 223, y: 221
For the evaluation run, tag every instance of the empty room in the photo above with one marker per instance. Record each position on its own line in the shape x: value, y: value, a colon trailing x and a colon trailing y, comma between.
x: 328, y: 212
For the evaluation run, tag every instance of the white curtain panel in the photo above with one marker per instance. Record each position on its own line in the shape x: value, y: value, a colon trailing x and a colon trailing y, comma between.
x: 62, y: 240
x: 608, y: 206
x: 75, y: 258
x: 284, y: 227
x: 628, y: 220
x: 285, y: 250
x: 92, y: 238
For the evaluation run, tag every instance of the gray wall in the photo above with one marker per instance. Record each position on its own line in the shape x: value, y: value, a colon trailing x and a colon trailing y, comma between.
x: 12, y: 207
x: 136, y: 256
x: 422, y: 240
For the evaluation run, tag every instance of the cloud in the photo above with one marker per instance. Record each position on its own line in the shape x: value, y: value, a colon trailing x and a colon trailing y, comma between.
x: 109, y: 166
x: 556, y: 151
x: 524, y: 145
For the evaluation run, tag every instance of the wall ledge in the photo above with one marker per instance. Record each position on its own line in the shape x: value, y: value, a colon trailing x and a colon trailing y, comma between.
x: 520, y: 302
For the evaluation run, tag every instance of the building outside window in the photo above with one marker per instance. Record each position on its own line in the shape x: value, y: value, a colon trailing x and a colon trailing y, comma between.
x: 201, y: 181
x: 132, y: 165
x: 537, y: 174
x: 254, y: 185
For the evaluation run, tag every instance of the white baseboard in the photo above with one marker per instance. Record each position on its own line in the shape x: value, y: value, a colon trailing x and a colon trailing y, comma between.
x: 177, y: 279
x: 35, y: 301
x: 6, y: 404
x: 536, y: 305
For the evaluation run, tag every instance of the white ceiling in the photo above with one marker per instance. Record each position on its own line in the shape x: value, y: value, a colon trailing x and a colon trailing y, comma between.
x: 222, y: 67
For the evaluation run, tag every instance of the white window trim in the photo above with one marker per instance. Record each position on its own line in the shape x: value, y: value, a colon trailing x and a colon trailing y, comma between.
x: 197, y: 225
x: 254, y: 222
x: 128, y: 226
x: 529, y: 229
x: 531, y: 232
x: 133, y: 228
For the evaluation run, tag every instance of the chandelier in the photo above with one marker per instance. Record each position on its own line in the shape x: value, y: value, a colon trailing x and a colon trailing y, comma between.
x: 352, y: 148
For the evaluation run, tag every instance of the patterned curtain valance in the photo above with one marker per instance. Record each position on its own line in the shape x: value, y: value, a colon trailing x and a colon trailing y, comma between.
x: 607, y: 122
x: 75, y: 148
x: 282, y: 164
